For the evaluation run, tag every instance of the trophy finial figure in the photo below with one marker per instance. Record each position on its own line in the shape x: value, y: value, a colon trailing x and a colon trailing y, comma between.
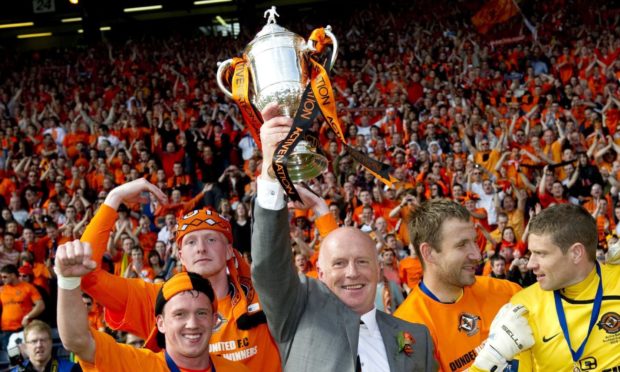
x: 271, y: 15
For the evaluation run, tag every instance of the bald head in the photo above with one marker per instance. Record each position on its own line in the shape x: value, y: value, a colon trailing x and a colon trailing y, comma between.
x: 342, y: 238
x: 348, y: 266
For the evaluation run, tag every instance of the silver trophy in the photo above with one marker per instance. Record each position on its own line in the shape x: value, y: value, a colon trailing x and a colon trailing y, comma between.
x: 279, y: 73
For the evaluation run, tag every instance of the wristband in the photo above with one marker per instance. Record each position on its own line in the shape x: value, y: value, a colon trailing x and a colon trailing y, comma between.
x: 68, y: 283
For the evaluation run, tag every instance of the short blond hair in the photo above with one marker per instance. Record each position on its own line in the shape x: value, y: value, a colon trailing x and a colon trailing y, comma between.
x: 37, y: 325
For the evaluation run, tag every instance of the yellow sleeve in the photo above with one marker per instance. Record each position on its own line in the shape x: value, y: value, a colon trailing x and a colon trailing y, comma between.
x: 524, y: 361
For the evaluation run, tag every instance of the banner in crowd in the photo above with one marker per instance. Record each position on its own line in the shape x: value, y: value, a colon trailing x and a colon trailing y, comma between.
x: 492, y: 13
x: 507, y: 40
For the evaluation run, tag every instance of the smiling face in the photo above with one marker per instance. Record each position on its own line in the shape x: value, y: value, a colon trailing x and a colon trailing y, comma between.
x: 205, y: 252
x: 456, y: 258
x: 348, y: 266
x: 186, y: 322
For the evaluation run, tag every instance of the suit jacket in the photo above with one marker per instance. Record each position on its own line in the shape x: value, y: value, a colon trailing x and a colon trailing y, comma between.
x: 315, y: 331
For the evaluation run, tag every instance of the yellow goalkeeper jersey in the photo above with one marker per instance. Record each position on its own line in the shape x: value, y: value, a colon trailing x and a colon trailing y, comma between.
x: 550, y: 351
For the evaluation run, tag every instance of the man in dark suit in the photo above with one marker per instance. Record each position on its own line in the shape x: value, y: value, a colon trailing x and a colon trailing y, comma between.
x: 330, y: 324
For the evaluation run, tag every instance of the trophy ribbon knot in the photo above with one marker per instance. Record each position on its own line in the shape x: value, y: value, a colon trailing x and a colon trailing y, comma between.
x: 320, y: 39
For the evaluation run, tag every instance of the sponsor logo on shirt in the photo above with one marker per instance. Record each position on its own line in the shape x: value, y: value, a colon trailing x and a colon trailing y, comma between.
x: 468, y: 323
x: 462, y: 361
x: 547, y: 339
x: 219, y: 322
x: 588, y: 364
x: 234, y: 350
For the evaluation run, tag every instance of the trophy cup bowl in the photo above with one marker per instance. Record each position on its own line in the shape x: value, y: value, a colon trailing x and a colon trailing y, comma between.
x: 279, y: 73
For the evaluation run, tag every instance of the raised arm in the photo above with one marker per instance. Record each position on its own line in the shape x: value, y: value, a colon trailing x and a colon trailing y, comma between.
x: 543, y: 180
x: 72, y: 314
x: 273, y: 274
x: 128, y: 294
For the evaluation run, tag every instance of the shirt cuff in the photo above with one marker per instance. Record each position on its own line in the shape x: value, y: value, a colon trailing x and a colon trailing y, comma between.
x: 269, y: 194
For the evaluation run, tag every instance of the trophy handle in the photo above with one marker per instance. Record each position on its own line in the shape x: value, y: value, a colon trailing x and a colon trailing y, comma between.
x: 328, y: 32
x: 222, y: 67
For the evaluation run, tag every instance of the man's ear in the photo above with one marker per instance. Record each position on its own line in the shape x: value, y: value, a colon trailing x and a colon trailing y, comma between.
x: 320, y: 273
x: 159, y: 320
x: 427, y: 253
x: 229, y: 252
x: 577, y: 252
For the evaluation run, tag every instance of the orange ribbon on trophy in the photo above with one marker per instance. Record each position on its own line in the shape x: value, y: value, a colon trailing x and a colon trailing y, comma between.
x: 317, y: 97
x: 322, y: 88
x: 240, y: 92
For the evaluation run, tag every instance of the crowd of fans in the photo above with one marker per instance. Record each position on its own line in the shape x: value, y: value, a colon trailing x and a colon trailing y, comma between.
x: 506, y: 130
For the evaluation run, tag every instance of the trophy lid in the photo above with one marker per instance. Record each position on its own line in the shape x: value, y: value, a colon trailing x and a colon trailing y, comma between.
x: 271, y: 28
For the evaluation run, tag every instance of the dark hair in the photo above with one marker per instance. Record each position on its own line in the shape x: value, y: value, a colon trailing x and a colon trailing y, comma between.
x: 179, y: 283
x: 152, y: 253
x: 496, y: 257
x: 9, y: 269
x: 565, y: 225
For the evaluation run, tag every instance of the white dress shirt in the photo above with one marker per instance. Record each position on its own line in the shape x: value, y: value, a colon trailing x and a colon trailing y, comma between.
x: 371, y: 348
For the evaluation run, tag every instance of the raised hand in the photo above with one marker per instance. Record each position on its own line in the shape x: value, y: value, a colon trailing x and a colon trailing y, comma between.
x: 131, y: 192
x: 73, y: 259
x: 309, y: 201
x: 509, y: 335
x: 272, y: 132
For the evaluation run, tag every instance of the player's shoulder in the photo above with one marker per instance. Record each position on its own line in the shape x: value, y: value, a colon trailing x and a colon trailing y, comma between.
x: 409, y: 310
x: 496, y: 286
x: 611, y: 278
x: 611, y: 271
x: 530, y: 296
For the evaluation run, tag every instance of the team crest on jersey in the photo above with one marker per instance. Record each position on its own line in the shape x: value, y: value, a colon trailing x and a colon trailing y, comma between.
x: 610, y: 322
x: 219, y: 322
x: 468, y: 323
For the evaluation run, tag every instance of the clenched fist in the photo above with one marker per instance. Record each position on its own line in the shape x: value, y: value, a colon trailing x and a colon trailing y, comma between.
x: 74, y: 259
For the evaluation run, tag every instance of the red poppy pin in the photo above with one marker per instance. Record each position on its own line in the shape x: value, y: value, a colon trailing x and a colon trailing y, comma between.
x: 405, y: 342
